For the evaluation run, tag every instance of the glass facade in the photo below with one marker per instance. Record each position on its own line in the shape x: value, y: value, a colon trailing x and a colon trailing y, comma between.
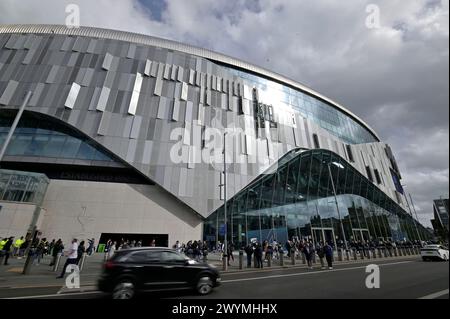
x: 298, y: 200
x: 328, y: 117
x: 36, y: 136
x: 16, y: 186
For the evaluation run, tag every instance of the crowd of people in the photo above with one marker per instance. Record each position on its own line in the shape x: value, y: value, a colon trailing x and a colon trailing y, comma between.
x: 193, y: 249
x: 39, y: 248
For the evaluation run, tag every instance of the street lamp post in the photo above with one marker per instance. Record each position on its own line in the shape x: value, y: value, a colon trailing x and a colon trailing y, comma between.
x: 224, y: 185
x: 417, y: 218
x: 337, y: 206
x: 410, y: 212
x: 14, y: 125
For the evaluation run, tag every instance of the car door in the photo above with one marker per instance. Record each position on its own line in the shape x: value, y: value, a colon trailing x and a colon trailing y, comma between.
x: 175, y: 270
x: 147, y: 268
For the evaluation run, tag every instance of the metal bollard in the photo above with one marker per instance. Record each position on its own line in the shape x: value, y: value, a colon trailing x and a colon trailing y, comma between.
x: 241, y: 259
x: 340, y: 254
x: 390, y: 252
x: 385, y: 252
x: 293, y: 258
x: 361, y: 254
x: 374, y: 254
x: 395, y: 252
x: 58, y: 260
x: 347, y: 255
x: 254, y: 260
x: 379, y: 253
x: 355, y: 257
x: 303, y: 258
x: 314, y: 258
x: 269, y: 261
x: 281, y: 259
x: 400, y: 251
x: 417, y: 250
x: 368, y: 254
x: 82, y: 261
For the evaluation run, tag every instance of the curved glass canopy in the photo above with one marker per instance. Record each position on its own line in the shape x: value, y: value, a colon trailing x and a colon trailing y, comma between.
x: 40, y: 136
x: 297, y: 200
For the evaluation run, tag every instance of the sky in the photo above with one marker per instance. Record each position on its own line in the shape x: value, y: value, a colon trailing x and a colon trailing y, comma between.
x: 394, y: 74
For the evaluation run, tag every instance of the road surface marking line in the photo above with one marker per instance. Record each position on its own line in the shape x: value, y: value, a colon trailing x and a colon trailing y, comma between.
x: 303, y: 266
x: 435, y: 295
x: 307, y: 273
x: 57, y: 295
x: 42, y: 286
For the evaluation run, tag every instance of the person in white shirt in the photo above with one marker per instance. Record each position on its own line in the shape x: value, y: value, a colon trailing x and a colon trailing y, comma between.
x: 112, y: 250
x: 71, y: 257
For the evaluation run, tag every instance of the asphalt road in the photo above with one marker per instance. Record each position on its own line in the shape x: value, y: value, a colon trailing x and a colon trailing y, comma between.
x: 399, y: 279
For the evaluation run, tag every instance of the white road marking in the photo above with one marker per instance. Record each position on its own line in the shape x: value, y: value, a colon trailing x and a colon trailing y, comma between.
x: 57, y: 295
x: 435, y: 295
x: 308, y: 273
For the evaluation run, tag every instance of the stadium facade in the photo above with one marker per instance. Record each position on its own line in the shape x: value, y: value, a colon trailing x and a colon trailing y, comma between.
x: 123, y: 137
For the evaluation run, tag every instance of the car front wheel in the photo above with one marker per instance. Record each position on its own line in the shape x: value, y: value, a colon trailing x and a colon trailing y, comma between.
x: 124, y: 289
x: 204, y: 285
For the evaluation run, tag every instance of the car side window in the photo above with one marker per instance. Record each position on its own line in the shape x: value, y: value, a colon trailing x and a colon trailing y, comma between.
x: 170, y: 256
x: 144, y: 257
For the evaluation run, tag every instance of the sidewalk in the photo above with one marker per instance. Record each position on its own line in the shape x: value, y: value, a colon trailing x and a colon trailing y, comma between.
x: 42, y: 276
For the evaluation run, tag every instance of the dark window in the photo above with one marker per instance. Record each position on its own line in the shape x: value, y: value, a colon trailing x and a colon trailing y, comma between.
x: 240, y: 106
x: 350, y: 153
x: 316, y: 141
x: 369, y: 174
x: 377, y: 176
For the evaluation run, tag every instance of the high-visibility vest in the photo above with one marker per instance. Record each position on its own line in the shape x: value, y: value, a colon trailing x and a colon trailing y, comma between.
x: 18, y: 243
x: 2, y: 243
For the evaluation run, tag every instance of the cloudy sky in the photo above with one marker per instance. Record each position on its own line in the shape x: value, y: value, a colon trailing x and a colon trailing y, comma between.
x: 395, y: 77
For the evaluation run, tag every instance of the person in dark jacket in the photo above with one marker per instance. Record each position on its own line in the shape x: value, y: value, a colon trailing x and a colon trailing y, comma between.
x: 58, y: 248
x: 249, y: 252
x: 258, y: 254
x: 7, y: 249
x: 80, y: 252
x: 328, y: 250
x: 308, y: 251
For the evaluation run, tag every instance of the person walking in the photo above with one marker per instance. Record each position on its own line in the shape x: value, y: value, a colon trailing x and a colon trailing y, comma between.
x: 81, y: 250
x: 71, y: 257
x: 7, y: 249
x: 58, y: 247
x: 112, y: 250
x: 307, y: 251
x: 90, y: 248
x: 321, y: 253
x: 230, y: 253
x: 328, y: 250
x: 16, y: 246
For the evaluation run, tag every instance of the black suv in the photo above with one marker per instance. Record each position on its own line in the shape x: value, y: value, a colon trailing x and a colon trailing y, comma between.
x: 152, y: 268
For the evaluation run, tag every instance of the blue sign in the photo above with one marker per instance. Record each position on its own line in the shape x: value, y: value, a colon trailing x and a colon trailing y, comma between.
x: 222, y: 230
